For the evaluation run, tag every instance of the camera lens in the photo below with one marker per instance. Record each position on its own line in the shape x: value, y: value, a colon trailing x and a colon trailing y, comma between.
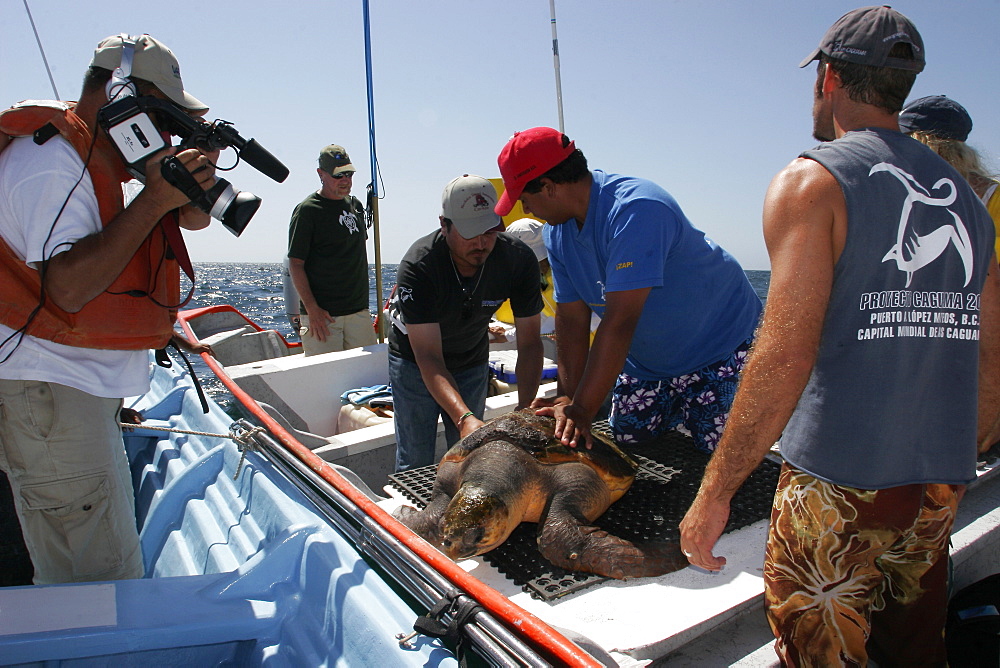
x: 232, y: 207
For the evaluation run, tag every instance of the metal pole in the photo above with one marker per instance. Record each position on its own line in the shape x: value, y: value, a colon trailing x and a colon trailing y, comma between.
x: 555, y: 60
x: 374, y: 172
x: 41, y: 50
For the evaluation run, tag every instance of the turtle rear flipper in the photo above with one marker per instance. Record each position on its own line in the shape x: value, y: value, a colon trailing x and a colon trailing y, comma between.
x: 574, y: 546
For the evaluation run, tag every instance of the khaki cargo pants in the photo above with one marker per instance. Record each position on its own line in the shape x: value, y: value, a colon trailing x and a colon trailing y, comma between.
x: 63, y: 451
x: 345, y: 332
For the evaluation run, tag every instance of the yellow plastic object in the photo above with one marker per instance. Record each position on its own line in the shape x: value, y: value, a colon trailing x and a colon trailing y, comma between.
x: 517, y: 213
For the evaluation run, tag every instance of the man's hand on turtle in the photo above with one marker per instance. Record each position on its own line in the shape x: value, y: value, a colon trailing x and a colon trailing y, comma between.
x: 546, y: 402
x: 469, y: 425
x: 572, y: 423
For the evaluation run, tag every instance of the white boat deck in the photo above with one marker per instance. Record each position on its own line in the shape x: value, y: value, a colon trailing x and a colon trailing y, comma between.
x: 747, y: 641
x: 639, y: 620
x: 304, y: 394
x: 696, y: 618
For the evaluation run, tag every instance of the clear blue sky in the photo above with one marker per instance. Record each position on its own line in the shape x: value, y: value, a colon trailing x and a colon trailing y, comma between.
x: 705, y: 98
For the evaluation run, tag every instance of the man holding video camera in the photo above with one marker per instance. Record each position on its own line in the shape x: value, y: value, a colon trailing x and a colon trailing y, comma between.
x: 90, y: 285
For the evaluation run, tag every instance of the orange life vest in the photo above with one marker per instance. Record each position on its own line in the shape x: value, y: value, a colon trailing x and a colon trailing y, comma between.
x: 115, y: 319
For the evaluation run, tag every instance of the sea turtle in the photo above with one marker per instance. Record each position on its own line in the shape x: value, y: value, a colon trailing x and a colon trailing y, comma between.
x: 512, y: 470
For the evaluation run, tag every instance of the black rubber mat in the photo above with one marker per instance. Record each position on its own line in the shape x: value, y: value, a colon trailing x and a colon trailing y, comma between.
x: 670, y: 470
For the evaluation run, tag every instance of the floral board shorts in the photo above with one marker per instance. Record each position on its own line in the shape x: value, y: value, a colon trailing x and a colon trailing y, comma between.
x: 851, y: 573
x: 696, y: 403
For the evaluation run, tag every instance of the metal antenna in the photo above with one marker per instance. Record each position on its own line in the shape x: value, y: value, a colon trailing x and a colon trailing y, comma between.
x: 555, y: 59
x: 44, y: 59
x: 376, y: 240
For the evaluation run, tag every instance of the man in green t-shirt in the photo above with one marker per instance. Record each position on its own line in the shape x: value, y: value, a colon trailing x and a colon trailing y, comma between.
x: 328, y: 261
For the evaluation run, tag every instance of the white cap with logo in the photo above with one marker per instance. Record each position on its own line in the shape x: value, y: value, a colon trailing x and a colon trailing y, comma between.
x: 468, y: 203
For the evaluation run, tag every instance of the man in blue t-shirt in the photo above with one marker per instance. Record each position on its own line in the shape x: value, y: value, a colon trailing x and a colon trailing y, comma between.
x: 677, y: 311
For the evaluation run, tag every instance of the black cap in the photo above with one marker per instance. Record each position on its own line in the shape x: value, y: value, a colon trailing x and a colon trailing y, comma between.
x: 936, y: 115
x: 865, y: 36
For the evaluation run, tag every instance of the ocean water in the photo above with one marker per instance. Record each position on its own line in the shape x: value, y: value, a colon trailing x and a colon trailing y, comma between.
x: 256, y: 289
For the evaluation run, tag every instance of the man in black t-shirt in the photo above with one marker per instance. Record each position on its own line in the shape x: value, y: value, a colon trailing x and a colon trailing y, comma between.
x: 328, y: 262
x: 448, y: 285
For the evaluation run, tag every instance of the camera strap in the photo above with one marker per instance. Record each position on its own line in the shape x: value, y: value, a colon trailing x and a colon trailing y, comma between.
x: 178, y: 176
x: 171, y: 229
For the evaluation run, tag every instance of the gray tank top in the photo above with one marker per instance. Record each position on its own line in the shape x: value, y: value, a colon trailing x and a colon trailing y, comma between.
x: 892, y: 397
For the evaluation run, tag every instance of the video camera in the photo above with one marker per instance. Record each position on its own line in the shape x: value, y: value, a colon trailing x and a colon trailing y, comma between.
x: 128, y: 124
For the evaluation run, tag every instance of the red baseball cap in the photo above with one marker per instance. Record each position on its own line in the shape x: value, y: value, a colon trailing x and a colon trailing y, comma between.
x: 528, y: 155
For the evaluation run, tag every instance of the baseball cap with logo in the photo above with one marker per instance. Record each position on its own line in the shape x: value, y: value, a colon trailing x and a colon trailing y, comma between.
x: 153, y: 62
x: 334, y: 159
x: 468, y: 203
x: 936, y: 115
x: 528, y: 155
x: 865, y: 36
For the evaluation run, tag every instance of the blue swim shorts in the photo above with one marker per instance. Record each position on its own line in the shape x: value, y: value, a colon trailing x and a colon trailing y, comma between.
x: 696, y: 404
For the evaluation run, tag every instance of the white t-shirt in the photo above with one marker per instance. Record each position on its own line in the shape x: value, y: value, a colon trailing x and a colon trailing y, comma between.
x: 35, y: 182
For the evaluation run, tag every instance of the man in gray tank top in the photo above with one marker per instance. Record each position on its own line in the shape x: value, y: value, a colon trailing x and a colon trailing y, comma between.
x: 877, y: 364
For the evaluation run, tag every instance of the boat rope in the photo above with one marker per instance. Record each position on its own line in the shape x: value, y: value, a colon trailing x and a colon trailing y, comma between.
x: 240, y: 432
x: 244, y: 441
x: 134, y: 425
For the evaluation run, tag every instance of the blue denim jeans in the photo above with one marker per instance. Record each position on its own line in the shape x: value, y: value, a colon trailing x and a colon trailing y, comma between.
x: 415, y: 413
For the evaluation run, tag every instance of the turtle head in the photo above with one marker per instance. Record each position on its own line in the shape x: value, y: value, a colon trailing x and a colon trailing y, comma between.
x: 474, y: 522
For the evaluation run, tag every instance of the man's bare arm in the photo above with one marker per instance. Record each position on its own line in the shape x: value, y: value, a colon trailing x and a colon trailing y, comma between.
x: 319, y: 318
x: 74, y: 277
x: 529, y: 358
x: 572, y: 343
x: 603, y: 364
x: 425, y: 340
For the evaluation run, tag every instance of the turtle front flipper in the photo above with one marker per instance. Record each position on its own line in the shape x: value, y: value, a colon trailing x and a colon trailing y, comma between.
x: 425, y: 523
x: 569, y: 543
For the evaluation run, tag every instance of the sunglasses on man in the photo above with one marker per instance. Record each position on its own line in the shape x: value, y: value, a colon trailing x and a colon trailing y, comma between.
x: 342, y: 175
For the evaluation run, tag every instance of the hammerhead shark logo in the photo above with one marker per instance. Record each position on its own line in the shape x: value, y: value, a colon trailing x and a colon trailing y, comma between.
x: 913, y: 251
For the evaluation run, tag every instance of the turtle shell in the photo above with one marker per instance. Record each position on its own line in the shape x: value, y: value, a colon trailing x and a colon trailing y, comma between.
x: 534, y: 433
